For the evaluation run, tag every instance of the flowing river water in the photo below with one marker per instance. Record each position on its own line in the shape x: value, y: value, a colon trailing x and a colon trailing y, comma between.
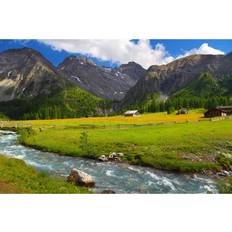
x: 121, y: 178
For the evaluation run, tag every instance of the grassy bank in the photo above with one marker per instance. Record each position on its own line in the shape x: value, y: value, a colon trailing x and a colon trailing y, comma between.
x: 183, y: 147
x: 17, y: 177
x: 225, y: 185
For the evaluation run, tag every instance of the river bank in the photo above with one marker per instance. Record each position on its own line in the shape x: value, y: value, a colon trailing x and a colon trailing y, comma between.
x: 166, y: 142
x: 185, y: 148
x: 18, y: 177
x: 120, y: 178
x: 203, y: 148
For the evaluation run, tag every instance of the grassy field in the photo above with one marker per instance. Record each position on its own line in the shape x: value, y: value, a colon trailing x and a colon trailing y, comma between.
x: 17, y: 177
x: 193, y: 115
x: 183, y: 143
x: 175, y: 145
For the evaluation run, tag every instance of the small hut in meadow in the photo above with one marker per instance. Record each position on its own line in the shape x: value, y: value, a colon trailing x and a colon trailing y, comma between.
x: 131, y: 113
x: 219, y: 111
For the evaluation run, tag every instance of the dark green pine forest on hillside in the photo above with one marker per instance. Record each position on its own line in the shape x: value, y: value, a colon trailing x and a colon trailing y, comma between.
x: 70, y: 102
x: 204, y: 92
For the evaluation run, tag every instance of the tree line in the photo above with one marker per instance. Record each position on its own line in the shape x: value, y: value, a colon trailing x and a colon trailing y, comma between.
x: 176, y: 103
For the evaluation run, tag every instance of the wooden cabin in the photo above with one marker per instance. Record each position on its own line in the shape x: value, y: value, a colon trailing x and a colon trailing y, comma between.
x: 220, y: 111
x: 131, y: 113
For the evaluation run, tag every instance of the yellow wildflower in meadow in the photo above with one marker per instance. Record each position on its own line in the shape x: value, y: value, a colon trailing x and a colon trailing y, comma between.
x: 112, y: 120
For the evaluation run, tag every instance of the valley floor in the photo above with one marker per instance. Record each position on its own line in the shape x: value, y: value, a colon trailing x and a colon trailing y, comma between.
x: 182, y: 144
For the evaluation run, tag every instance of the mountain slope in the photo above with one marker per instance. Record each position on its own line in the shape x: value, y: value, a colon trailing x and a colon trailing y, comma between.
x: 170, y: 78
x: 26, y: 73
x: 32, y: 88
x: 69, y: 102
x: 204, y: 86
x: 108, y: 83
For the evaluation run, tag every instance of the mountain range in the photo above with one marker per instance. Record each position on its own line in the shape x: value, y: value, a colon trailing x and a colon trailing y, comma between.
x: 27, y: 77
x: 104, y: 82
x: 25, y: 72
x: 171, y: 78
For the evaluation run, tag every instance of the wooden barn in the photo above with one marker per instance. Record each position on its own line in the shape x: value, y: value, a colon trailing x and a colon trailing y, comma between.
x: 220, y: 111
x: 131, y: 113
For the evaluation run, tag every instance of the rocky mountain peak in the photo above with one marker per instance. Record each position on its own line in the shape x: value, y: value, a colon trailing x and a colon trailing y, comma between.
x: 24, y: 72
x: 77, y: 60
x: 134, y: 70
x: 15, y: 58
x: 105, y: 82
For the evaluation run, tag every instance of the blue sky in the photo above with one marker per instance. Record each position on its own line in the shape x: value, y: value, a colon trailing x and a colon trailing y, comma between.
x: 115, y: 52
x: 175, y: 47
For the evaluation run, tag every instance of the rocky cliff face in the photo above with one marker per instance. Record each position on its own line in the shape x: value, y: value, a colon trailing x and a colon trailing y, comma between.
x: 109, y: 83
x: 169, y: 78
x: 26, y: 73
x: 133, y: 70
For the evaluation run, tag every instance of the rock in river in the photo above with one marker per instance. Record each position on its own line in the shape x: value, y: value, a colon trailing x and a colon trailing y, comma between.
x: 113, y: 157
x: 81, y: 178
x: 108, y: 191
x: 103, y: 158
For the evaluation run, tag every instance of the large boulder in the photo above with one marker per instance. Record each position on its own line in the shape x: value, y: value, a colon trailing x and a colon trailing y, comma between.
x: 81, y: 178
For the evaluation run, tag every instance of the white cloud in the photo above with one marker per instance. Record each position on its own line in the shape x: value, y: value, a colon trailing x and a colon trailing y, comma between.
x: 120, y: 51
x: 204, y: 49
x: 123, y: 51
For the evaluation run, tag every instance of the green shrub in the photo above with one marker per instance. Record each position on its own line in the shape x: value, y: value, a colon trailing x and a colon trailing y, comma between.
x: 86, y: 147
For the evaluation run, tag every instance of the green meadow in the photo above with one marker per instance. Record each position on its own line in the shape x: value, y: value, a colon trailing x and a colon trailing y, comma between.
x: 183, y: 147
x: 180, y: 143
